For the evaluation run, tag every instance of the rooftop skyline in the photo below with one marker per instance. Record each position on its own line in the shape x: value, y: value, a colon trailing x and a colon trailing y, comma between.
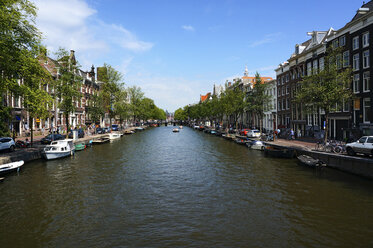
x: 177, y: 50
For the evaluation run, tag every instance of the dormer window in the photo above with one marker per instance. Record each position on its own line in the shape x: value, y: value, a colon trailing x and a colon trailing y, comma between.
x: 335, y: 43
x: 297, y: 50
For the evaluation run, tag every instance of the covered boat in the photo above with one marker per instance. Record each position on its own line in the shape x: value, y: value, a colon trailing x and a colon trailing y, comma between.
x: 100, y: 140
x: 113, y: 136
x: 59, y: 149
x: 80, y: 146
x: 278, y: 152
x: 310, y: 161
x: 256, y: 145
x: 7, y: 168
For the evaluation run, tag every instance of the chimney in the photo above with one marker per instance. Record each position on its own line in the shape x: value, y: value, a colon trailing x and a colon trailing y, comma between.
x: 229, y: 84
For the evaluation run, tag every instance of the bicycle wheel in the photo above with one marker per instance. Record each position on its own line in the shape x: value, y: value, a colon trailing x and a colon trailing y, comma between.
x: 337, y: 149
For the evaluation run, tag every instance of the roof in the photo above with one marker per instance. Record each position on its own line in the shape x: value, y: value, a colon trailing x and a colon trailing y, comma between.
x: 368, y: 5
x: 205, y: 97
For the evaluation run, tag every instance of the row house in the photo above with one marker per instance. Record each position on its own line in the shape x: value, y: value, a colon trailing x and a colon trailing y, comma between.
x: 350, y: 118
x: 270, y: 109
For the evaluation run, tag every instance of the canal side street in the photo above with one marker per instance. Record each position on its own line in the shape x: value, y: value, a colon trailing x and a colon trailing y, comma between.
x: 34, y: 153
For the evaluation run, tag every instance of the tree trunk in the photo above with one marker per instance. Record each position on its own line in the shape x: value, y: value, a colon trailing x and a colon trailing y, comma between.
x: 326, y: 127
x: 67, y: 125
x: 31, y: 124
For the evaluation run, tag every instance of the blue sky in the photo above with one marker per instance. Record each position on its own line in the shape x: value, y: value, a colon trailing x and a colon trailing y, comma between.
x: 176, y: 50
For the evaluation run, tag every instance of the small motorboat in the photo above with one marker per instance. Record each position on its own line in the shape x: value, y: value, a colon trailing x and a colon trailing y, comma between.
x: 241, y: 141
x: 256, y: 145
x: 139, y: 129
x: 181, y: 127
x: 278, y: 152
x: 129, y: 132
x: 114, y: 136
x: 80, y: 146
x: 310, y: 161
x: 213, y: 132
x: 7, y: 168
x: 59, y: 149
x: 100, y: 140
x: 175, y: 130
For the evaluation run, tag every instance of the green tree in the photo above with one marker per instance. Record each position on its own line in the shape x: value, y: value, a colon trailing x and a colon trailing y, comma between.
x: 68, y: 85
x: 326, y: 88
x: 19, y: 46
x: 111, y: 91
x: 95, y: 108
x: 180, y: 115
x: 135, y: 96
x: 257, y: 100
x: 233, y: 101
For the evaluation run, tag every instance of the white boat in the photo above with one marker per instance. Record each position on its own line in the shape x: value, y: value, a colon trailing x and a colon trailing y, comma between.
x: 175, y: 130
x: 181, y: 127
x: 256, y: 145
x: 59, y: 149
x: 6, y: 168
x: 113, y: 136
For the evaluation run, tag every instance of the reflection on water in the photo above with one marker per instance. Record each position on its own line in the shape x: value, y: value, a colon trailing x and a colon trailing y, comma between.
x: 189, y: 189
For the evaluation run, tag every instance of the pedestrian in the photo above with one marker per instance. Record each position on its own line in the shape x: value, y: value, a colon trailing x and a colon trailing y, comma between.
x: 292, y: 134
x: 299, y: 133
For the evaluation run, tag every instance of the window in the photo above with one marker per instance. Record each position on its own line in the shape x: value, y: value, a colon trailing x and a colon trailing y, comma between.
x: 283, y: 91
x: 338, y: 61
x: 346, y: 58
x: 309, y: 68
x: 16, y: 102
x: 287, y: 90
x: 283, y: 104
x: 366, y: 59
x: 365, y: 39
x: 355, y: 43
x: 346, y: 106
x: 279, y: 91
x: 287, y: 103
x: 355, y: 64
x: 315, y: 64
x: 370, y: 140
x: 279, y: 105
x: 356, y: 83
x: 362, y: 139
x: 321, y: 63
x: 287, y: 77
x: 274, y: 104
x: 366, y: 81
x: 335, y: 43
x: 366, y: 110
x: 342, y: 40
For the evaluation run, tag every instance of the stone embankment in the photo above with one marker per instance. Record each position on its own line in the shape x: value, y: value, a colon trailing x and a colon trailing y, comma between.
x: 357, y: 165
x: 34, y: 153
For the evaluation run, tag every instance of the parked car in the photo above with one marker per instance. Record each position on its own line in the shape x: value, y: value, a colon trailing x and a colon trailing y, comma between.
x: 364, y: 145
x: 7, y: 143
x: 115, y: 127
x: 100, y: 130
x: 51, y: 137
x: 244, y: 132
x: 80, y: 133
x: 253, y: 133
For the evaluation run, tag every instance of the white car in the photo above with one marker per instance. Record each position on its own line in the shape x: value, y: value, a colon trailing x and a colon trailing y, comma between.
x: 7, y: 143
x: 364, y: 145
x: 254, y: 133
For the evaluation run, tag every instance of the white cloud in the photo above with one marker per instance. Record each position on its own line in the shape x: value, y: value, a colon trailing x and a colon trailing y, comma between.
x: 187, y: 27
x: 269, y: 38
x: 72, y: 24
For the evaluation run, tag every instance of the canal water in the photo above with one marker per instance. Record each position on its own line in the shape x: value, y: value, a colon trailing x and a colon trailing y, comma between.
x: 189, y: 189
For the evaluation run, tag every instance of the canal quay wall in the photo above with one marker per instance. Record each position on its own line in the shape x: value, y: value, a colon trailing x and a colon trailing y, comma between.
x: 35, y: 153
x: 360, y: 166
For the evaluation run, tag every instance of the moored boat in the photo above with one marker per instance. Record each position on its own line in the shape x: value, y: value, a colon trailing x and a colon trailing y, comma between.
x: 310, y: 161
x: 7, y: 168
x: 279, y: 152
x: 241, y: 141
x: 100, y: 140
x: 181, y: 127
x: 59, y: 149
x: 256, y: 145
x: 113, y: 136
x: 80, y: 146
x: 175, y: 130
